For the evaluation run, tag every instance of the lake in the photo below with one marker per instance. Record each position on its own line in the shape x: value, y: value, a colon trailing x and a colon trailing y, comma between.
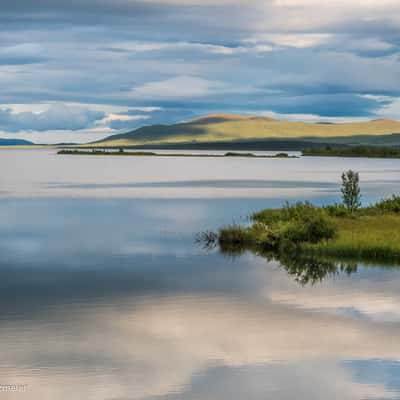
x: 105, y: 294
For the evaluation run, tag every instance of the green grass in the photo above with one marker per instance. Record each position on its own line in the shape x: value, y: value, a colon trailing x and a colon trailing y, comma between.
x: 375, y: 237
x: 371, y: 233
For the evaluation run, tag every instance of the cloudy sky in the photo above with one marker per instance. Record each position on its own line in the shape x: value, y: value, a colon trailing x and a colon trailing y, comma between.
x: 79, y: 70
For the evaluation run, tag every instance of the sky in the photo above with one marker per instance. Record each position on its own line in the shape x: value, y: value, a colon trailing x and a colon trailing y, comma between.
x: 80, y: 70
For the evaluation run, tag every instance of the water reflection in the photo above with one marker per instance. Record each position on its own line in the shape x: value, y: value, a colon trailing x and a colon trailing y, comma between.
x: 305, y: 269
x: 108, y: 320
x: 112, y: 299
x: 312, y: 270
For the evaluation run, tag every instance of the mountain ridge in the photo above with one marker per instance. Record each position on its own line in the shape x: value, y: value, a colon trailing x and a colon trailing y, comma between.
x: 15, y: 142
x: 229, y: 128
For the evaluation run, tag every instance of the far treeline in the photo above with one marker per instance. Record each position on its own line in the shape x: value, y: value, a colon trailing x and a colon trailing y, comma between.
x: 354, y: 151
x: 122, y: 152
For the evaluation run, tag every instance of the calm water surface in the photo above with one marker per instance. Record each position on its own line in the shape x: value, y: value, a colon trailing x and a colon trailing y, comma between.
x: 105, y: 295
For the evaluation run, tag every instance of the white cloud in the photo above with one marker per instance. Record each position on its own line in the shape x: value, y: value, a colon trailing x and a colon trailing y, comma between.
x: 390, y: 110
x: 343, y: 42
x: 142, y: 47
x: 177, y: 87
x: 366, y: 44
x: 336, y: 3
x: 119, y: 117
x: 299, y: 40
x: 310, y: 117
x: 62, y: 136
x: 56, y: 117
x: 377, y: 98
x: 21, y: 53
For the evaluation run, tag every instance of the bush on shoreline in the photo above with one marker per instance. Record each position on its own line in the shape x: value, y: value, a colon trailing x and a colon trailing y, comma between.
x: 280, y: 229
x: 391, y: 205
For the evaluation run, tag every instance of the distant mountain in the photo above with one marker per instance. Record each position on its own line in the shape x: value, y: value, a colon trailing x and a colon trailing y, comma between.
x: 15, y: 142
x: 228, y: 130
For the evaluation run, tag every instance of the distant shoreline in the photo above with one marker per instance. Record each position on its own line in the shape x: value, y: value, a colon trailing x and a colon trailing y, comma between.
x: 354, y: 151
x: 122, y: 153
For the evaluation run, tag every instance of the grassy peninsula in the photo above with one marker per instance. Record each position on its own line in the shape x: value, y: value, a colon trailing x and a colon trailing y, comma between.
x: 345, y: 231
x: 371, y: 233
x: 354, y: 151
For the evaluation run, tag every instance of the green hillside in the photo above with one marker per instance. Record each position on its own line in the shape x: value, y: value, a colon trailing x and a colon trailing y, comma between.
x: 228, y: 129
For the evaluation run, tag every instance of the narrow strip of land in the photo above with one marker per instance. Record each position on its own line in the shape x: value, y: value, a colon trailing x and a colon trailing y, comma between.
x: 153, y: 154
x: 324, y: 151
x: 354, y: 151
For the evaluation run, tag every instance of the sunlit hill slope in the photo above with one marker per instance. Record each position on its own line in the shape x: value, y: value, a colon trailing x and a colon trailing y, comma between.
x: 220, y: 128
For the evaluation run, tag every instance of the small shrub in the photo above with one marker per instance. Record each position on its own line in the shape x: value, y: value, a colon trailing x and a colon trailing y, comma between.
x: 268, y: 216
x: 234, y: 234
x: 391, y: 205
x: 336, y: 210
x: 301, y: 222
x: 233, y: 240
x: 311, y: 230
x: 266, y: 238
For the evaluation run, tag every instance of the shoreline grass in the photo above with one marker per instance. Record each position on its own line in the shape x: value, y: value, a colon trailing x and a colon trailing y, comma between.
x: 369, y: 234
x: 374, y: 238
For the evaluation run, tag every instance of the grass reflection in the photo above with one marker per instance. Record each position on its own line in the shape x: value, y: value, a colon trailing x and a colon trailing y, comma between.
x: 305, y: 269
